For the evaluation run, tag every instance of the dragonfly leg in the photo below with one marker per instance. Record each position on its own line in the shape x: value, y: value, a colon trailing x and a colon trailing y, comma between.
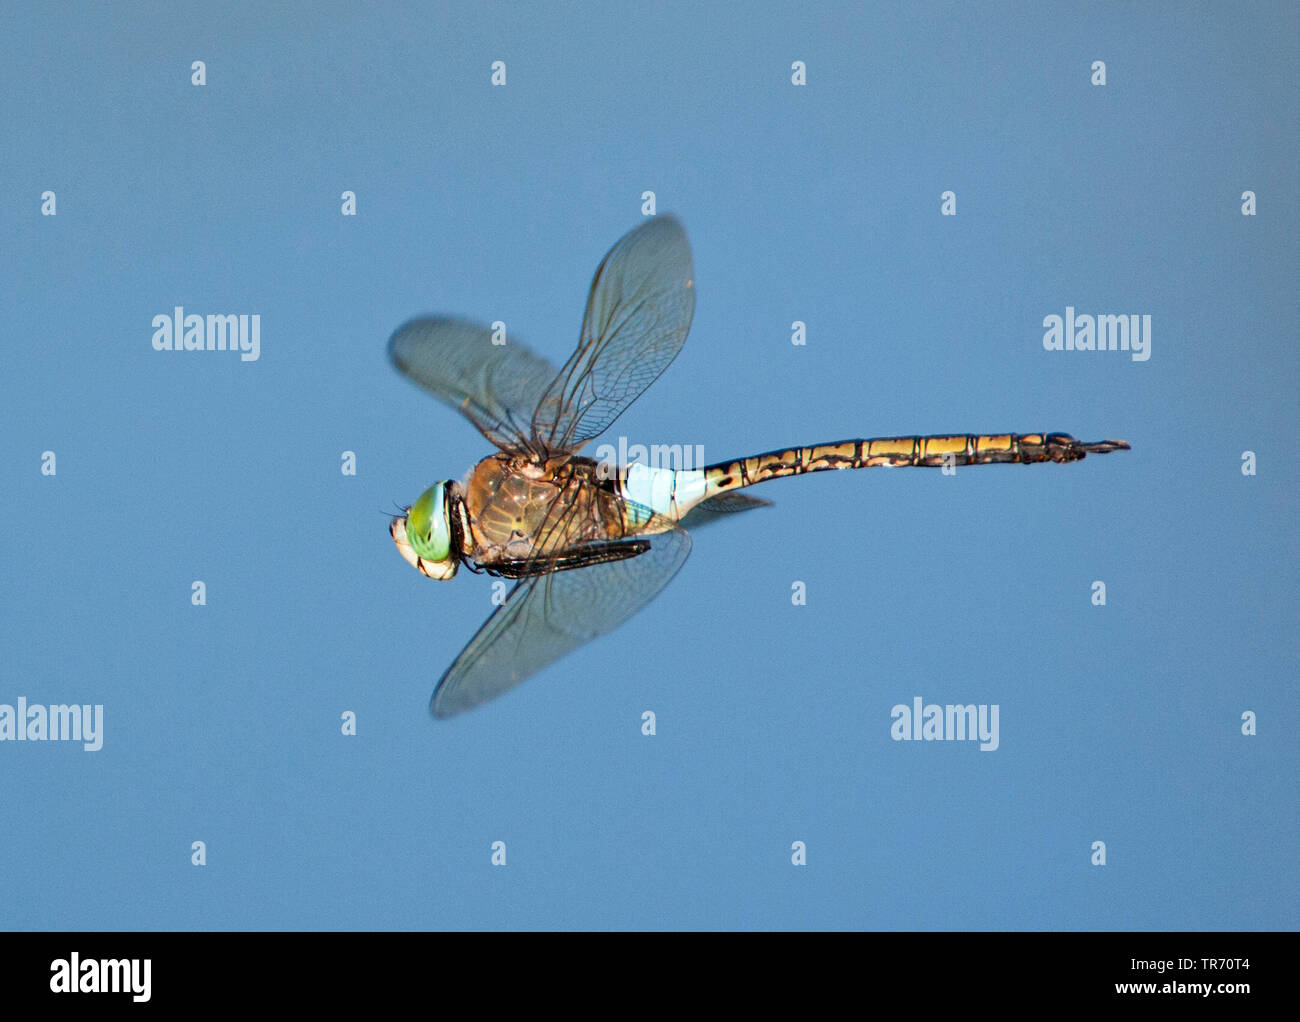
x: 579, y: 557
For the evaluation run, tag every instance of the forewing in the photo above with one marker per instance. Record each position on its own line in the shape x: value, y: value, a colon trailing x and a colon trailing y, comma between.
x: 496, y: 386
x: 639, y: 311
x: 547, y: 616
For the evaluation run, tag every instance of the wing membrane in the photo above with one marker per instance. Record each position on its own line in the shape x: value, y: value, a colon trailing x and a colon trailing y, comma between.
x: 547, y: 616
x: 714, y: 508
x: 498, y: 387
x: 639, y: 311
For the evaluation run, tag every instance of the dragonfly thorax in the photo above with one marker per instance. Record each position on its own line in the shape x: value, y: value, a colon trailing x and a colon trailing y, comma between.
x: 518, y: 510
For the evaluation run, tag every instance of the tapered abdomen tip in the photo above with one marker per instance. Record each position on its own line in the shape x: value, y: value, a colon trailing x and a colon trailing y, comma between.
x: 1106, y: 446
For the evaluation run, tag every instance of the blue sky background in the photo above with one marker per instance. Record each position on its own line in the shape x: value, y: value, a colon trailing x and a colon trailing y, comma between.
x: 822, y: 203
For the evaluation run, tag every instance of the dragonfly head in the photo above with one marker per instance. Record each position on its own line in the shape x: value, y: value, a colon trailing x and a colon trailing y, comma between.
x: 424, y: 535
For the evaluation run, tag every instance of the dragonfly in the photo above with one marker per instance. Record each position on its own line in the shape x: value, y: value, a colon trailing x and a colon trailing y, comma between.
x: 589, y: 544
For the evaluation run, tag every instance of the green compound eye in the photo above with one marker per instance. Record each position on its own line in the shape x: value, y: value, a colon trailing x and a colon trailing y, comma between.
x: 427, y: 527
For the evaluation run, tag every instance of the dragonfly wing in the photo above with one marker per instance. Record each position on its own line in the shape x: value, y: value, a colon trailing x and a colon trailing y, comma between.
x: 547, y: 616
x: 723, y: 504
x: 639, y: 311
x: 496, y: 386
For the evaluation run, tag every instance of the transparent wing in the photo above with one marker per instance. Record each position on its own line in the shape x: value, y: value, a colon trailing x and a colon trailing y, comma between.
x: 714, y: 508
x: 547, y: 616
x: 498, y: 387
x: 639, y: 311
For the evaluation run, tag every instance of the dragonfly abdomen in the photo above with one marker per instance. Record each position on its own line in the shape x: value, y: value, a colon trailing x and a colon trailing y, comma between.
x: 900, y: 451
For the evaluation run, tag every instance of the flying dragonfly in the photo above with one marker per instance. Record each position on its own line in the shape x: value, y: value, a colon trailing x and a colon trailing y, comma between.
x: 589, y: 544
